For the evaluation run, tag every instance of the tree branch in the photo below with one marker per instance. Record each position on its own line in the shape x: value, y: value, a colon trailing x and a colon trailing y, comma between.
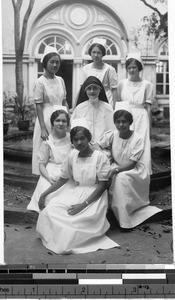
x: 163, y: 17
x: 19, y: 44
x: 152, y: 7
x: 24, y: 27
x: 17, y: 3
x: 16, y: 24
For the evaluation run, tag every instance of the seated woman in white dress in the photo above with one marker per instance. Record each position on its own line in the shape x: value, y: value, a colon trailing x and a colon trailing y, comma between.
x: 129, y: 190
x: 75, y: 221
x: 51, y: 154
x: 94, y: 107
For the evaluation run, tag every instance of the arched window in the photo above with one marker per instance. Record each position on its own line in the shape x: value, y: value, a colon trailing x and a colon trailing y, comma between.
x: 163, y: 51
x: 58, y: 42
x: 162, y: 71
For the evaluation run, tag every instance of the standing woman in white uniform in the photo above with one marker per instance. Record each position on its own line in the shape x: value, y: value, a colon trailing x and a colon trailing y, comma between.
x: 138, y: 93
x: 103, y: 71
x: 49, y: 92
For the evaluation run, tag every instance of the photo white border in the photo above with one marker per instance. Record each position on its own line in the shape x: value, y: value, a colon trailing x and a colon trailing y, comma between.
x: 171, y: 29
x: 1, y: 150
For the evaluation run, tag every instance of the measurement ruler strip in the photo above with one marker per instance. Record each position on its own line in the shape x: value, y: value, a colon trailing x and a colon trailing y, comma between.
x: 84, y: 290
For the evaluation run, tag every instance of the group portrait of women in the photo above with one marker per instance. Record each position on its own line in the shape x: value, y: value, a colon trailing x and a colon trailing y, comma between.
x: 93, y: 158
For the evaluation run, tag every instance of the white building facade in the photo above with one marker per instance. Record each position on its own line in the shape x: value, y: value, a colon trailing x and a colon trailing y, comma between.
x: 70, y: 26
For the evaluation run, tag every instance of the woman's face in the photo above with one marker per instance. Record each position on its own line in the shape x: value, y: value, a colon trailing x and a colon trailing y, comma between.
x: 53, y: 65
x: 133, y: 70
x: 80, y: 141
x: 92, y: 92
x: 96, y: 54
x: 122, y: 125
x: 60, y: 123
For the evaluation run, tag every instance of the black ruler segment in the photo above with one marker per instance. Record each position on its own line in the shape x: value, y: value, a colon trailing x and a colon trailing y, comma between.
x: 19, y: 276
x: 170, y: 278
x: 144, y: 281
x: 26, y: 282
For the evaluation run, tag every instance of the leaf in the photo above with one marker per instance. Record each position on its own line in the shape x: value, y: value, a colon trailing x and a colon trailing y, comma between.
x: 28, y: 227
x: 103, y: 261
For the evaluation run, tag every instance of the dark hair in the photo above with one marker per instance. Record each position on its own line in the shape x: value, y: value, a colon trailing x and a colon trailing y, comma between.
x: 56, y: 114
x: 47, y: 57
x: 82, y: 96
x: 123, y: 113
x: 74, y: 131
x: 101, y: 47
x: 133, y: 60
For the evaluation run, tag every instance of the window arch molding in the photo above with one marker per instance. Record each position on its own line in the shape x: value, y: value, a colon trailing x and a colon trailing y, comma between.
x: 36, y: 41
x: 63, y: 45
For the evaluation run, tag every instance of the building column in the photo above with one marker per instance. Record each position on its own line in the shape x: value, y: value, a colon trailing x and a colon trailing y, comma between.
x: 121, y: 69
x: 76, y: 80
x: 31, y: 76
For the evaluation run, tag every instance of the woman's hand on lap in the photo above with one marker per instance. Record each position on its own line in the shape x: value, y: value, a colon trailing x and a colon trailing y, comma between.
x: 41, y: 202
x: 75, y: 209
x: 113, y: 172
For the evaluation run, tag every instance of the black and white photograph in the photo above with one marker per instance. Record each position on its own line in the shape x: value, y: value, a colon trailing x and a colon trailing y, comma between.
x: 87, y: 131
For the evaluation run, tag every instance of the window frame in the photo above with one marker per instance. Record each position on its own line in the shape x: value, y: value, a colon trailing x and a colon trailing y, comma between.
x: 163, y: 59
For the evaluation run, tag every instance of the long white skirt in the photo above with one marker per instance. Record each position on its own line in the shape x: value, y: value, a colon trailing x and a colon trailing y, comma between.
x: 81, y: 233
x: 129, y: 198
